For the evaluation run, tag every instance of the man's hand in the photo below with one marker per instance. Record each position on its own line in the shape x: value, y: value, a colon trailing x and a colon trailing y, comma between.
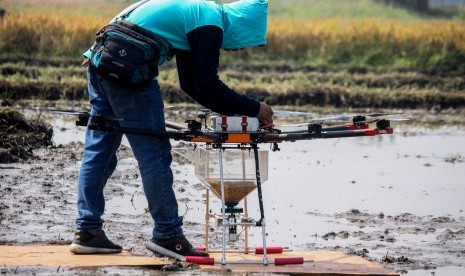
x: 265, y: 115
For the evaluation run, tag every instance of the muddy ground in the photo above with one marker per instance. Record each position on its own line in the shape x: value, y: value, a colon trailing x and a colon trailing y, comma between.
x: 38, y: 199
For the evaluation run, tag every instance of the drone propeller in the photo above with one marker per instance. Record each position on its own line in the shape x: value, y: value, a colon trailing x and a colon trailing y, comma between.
x: 85, y: 114
x: 174, y: 126
x: 324, y: 120
x: 347, y: 117
x: 290, y: 113
x: 66, y: 112
x: 331, y: 120
x: 382, y: 114
x: 395, y: 120
x: 206, y: 111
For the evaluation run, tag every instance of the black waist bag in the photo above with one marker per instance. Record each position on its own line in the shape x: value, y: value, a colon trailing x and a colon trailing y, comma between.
x: 126, y: 54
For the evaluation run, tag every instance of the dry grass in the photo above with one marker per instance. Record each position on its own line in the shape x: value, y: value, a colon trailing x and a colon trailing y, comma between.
x: 327, y: 41
x: 371, y: 42
x: 40, y: 34
x: 322, y: 35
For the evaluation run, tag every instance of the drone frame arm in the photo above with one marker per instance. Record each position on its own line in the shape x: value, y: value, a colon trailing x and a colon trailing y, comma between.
x: 195, y: 135
x: 293, y: 136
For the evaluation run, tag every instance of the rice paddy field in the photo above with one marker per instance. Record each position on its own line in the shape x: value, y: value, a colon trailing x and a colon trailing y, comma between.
x: 356, y: 53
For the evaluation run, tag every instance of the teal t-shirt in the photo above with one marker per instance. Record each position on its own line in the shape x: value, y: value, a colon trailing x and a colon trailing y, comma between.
x: 244, y: 22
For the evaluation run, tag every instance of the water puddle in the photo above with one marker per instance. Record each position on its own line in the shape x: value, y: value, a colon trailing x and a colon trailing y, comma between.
x: 440, y: 271
x: 390, y: 174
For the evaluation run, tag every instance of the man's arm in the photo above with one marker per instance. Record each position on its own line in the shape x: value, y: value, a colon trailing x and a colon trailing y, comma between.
x: 186, y: 77
x: 198, y: 75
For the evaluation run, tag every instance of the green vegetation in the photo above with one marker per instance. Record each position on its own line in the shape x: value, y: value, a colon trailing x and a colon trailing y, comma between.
x: 352, y: 10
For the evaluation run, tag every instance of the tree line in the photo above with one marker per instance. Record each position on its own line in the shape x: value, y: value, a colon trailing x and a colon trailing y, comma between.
x: 420, y: 6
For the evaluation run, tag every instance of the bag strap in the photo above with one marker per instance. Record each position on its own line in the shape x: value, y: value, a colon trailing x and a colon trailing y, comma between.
x: 131, y: 10
x: 123, y: 16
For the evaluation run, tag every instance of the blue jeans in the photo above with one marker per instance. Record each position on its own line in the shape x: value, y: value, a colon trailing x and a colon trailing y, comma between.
x: 143, y: 108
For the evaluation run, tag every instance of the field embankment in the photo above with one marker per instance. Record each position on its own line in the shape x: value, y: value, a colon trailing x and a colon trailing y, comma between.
x: 277, y: 84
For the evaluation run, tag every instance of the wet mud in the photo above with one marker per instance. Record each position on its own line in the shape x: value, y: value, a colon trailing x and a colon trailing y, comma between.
x: 402, y: 242
x: 19, y: 136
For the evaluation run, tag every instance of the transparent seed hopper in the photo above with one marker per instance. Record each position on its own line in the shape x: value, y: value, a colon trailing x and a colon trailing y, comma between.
x: 235, y: 168
x: 239, y: 173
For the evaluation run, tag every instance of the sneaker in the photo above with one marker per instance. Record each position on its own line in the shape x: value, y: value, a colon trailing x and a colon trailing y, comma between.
x: 176, y: 247
x: 87, y: 243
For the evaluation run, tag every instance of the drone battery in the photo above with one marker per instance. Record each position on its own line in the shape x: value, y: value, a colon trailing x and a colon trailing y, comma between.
x: 235, y: 124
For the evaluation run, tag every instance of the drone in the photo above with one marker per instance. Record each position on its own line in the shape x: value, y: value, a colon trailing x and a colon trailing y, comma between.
x: 221, y: 135
x: 247, y: 130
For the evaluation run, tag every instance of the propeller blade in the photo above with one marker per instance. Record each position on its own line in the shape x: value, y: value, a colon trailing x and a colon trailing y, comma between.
x: 63, y: 111
x: 368, y: 121
x: 80, y: 113
x: 290, y: 113
x: 347, y: 117
x: 205, y: 110
x: 395, y: 120
x: 174, y: 126
x: 382, y: 114
x: 398, y: 120
x: 295, y: 125
x: 332, y: 118
x: 71, y: 113
x: 324, y: 120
